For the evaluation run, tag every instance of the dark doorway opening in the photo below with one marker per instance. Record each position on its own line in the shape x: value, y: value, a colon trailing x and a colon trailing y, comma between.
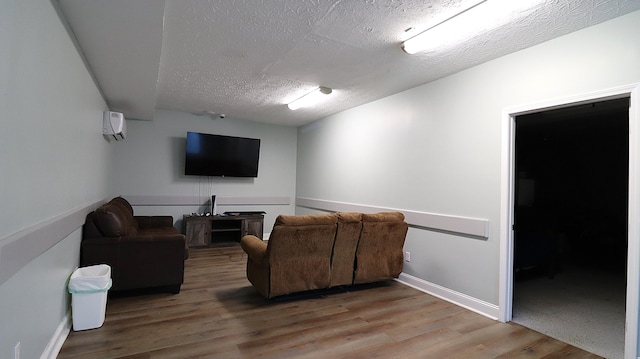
x: 570, y: 221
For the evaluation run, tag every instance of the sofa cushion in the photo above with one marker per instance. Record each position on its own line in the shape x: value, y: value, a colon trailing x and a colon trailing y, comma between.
x: 127, y: 210
x: 158, y: 231
x: 122, y: 203
x: 383, y: 217
x: 344, y: 248
x: 300, y: 258
x: 379, y: 255
x: 307, y: 220
x: 299, y: 253
x: 112, y: 222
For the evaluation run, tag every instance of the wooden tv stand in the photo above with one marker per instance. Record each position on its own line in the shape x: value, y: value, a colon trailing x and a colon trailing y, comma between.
x: 210, y: 231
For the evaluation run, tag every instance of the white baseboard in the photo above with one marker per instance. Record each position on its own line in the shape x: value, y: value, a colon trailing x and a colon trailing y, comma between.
x: 481, y: 307
x: 55, y: 344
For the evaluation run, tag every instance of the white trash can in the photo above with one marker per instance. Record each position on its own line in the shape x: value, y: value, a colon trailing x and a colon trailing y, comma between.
x: 88, y: 287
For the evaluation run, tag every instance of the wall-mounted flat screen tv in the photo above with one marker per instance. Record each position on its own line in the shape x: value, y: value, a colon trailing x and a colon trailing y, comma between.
x: 217, y: 155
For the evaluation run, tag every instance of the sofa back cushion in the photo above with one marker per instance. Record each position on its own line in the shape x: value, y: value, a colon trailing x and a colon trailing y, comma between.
x: 344, y: 248
x: 127, y: 211
x: 306, y: 220
x: 123, y: 204
x: 112, y: 221
x: 379, y: 253
x: 299, y: 253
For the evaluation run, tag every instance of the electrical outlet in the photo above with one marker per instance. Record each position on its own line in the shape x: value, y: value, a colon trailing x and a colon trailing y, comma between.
x: 16, y: 351
x: 407, y: 256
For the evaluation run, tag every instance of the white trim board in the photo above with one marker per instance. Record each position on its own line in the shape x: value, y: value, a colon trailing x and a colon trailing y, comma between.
x: 151, y: 200
x: 507, y: 202
x: 19, y: 249
x: 474, y: 227
x: 57, y: 340
x: 476, y: 305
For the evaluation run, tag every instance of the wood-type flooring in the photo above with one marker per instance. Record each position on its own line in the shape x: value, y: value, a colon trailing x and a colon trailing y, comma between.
x: 218, y: 314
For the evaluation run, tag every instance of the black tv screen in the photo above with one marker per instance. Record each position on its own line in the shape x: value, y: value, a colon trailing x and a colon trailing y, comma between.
x: 217, y: 155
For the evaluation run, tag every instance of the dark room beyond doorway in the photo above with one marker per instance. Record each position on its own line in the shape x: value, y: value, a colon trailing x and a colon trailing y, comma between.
x: 570, y: 221
x: 572, y: 168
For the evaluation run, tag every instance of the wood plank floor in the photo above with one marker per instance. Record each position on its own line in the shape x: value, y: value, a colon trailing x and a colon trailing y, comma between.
x: 219, y: 315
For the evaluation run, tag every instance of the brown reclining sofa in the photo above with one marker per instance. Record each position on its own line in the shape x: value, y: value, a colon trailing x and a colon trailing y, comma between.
x: 326, y: 250
x: 143, y: 251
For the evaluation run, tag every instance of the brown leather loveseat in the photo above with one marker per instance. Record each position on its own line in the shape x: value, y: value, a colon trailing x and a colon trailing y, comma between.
x: 143, y: 251
x: 326, y: 250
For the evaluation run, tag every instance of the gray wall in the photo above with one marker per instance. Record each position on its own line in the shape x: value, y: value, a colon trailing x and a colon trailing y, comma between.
x: 437, y: 148
x: 150, y: 168
x: 54, y: 165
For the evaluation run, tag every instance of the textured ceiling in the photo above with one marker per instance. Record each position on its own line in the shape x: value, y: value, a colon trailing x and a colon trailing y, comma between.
x: 247, y: 59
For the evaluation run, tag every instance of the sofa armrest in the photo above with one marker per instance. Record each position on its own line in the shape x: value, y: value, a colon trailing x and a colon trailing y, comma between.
x: 255, y: 248
x: 154, y: 221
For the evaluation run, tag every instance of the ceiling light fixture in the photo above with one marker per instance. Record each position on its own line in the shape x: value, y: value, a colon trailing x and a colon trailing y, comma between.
x: 474, y: 20
x: 311, y: 98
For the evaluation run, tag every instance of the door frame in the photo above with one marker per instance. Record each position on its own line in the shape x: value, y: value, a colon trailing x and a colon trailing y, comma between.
x: 507, y: 197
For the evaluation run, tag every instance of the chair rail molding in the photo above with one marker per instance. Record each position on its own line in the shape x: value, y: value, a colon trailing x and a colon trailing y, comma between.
x: 473, y: 227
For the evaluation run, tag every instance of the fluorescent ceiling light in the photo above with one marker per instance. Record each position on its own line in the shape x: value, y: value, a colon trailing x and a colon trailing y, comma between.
x: 311, y: 98
x: 474, y: 20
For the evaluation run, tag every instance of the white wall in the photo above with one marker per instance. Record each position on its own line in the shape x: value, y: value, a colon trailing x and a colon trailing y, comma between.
x: 150, y: 168
x: 53, y: 164
x: 436, y: 148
